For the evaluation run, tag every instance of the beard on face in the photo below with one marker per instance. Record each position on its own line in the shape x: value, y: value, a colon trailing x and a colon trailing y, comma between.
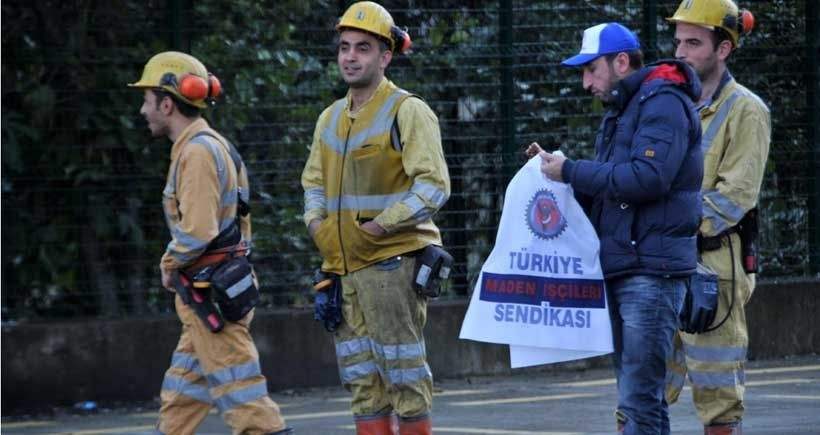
x: 606, y: 93
x: 708, y: 69
x: 157, y: 129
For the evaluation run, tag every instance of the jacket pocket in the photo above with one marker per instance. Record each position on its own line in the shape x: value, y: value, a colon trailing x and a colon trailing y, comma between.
x: 367, y: 171
x: 365, y: 151
x: 327, y: 239
x: 366, y: 245
x: 618, y: 218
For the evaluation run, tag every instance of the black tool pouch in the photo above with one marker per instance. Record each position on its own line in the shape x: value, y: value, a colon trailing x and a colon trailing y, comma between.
x: 433, y: 265
x: 234, y: 288
x: 701, y: 301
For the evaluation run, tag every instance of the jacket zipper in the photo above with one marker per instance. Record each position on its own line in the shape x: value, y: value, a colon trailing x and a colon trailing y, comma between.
x: 339, y: 205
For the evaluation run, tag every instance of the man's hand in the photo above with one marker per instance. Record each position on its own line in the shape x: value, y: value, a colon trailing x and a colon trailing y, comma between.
x: 533, y: 150
x: 313, y: 226
x: 167, y: 275
x: 551, y: 165
x: 372, y: 228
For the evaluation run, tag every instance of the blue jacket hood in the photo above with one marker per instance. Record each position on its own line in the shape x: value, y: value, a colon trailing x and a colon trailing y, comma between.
x: 627, y: 87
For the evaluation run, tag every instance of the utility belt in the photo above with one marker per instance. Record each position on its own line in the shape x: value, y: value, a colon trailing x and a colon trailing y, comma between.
x: 210, y: 258
x: 220, y: 285
x: 433, y: 265
x: 747, y: 229
x: 706, y: 244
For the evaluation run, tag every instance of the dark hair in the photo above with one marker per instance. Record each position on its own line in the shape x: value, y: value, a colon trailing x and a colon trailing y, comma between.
x: 635, y: 58
x: 184, y: 108
x: 719, y: 35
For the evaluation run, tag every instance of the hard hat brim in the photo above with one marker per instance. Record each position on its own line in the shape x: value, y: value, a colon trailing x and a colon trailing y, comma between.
x: 680, y: 20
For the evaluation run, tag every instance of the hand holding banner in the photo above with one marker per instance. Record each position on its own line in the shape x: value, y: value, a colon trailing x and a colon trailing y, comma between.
x: 541, y: 290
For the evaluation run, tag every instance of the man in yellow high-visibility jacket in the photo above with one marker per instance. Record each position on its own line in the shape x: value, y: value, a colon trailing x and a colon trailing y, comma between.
x: 375, y: 176
x: 204, y: 187
x: 736, y: 134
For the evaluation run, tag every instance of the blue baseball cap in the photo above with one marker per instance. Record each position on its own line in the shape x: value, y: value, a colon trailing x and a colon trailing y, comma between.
x: 603, y: 39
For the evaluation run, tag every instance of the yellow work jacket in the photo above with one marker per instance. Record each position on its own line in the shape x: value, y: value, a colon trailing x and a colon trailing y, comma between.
x: 200, y: 195
x: 735, y: 143
x: 356, y: 172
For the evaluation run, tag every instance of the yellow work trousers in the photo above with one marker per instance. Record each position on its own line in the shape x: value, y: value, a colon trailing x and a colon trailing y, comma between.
x: 380, y: 344
x: 715, y: 361
x: 219, y: 370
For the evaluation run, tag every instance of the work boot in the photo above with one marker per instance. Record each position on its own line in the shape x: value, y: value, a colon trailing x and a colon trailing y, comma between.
x: 723, y: 429
x: 416, y: 426
x: 376, y: 425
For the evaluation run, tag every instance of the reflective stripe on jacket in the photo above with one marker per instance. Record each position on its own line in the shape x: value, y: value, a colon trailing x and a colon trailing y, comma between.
x: 200, y: 195
x: 736, y: 136
x: 355, y: 173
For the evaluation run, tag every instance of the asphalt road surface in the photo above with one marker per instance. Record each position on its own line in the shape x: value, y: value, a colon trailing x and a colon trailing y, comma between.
x: 782, y: 397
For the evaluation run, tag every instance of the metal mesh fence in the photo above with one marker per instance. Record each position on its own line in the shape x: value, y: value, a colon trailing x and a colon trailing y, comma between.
x: 82, y: 181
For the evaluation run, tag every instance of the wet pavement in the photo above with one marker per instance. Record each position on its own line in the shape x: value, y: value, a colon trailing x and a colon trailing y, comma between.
x: 782, y: 397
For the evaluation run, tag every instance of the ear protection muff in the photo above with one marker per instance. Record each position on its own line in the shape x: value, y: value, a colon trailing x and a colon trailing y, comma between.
x: 194, y: 87
x: 743, y: 22
x: 401, y: 39
x: 747, y: 22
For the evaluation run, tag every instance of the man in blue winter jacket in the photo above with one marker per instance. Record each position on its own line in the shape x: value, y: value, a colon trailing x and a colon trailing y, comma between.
x: 642, y: 194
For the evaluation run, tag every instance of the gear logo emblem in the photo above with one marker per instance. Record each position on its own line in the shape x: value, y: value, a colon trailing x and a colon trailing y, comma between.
x: 544, y: 218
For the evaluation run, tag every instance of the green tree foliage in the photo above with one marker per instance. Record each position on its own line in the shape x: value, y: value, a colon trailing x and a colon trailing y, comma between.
x: 82, y: 179
x: 74, y: 227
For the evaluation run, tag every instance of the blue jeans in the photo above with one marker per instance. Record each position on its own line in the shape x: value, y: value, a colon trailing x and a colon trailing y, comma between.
x: 644, y: 311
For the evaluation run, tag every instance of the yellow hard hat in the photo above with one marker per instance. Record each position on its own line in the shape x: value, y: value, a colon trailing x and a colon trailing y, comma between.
x: 371, y: 17
x: 182, y: 75
x: 713, y: 14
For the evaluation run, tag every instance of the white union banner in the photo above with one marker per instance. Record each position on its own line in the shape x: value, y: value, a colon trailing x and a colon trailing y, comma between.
x: 541, y: 290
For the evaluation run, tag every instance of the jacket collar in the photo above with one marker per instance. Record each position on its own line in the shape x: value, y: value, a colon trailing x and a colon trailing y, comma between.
x: 380, y: 89
x: 719, y: 96
x: 627, y: 88
x: 195, y: 127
